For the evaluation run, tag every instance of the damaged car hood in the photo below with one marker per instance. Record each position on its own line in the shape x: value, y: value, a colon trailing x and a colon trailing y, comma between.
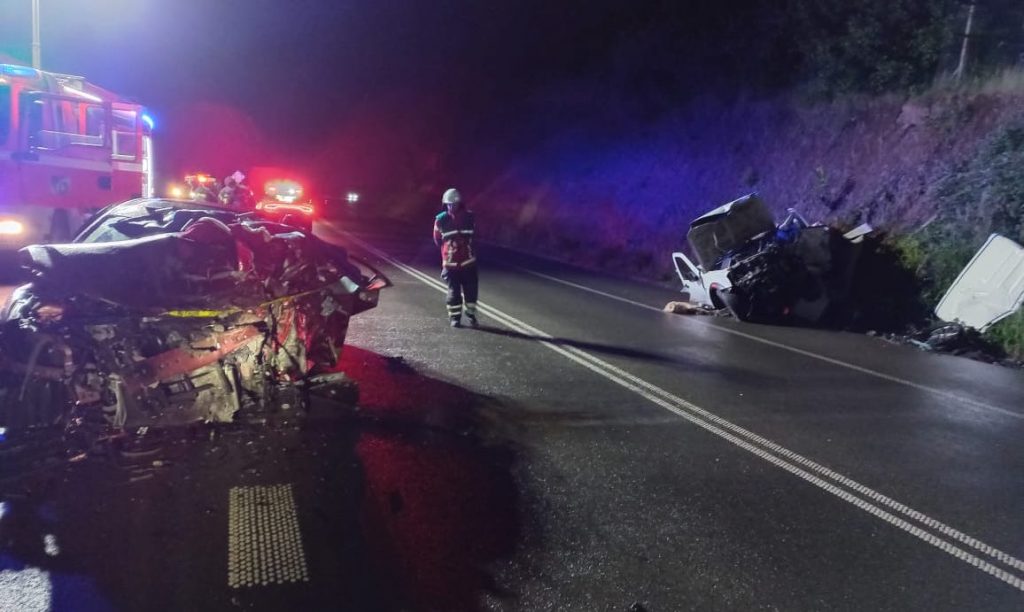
x: 716, y: 233
x: 206, y: 264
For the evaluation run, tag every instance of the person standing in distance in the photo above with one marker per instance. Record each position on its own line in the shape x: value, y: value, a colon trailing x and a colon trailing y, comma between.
x: 453, y: 232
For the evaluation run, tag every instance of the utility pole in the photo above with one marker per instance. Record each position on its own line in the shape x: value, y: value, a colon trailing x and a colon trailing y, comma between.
x: 37, y: 61
x: 962, y: 64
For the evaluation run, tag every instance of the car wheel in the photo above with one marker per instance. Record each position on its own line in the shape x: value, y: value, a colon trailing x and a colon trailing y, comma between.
x: 736, y: 301
x: 716, y: 300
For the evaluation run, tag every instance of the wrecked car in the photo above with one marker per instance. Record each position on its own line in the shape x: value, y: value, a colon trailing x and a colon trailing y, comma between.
x: 165, y: 312
x: 762, y: 271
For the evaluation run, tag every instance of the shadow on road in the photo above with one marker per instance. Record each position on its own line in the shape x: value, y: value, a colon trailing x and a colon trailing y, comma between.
x: 691, y: 365
x: 439, y: 501
x: 596, y: 347
x: 404, y: 503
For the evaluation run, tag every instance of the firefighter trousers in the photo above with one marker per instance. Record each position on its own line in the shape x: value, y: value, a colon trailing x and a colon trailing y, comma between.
x: 462, y: 283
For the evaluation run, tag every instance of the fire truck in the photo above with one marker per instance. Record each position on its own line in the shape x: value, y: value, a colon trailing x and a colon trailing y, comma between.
x: 67, y: 149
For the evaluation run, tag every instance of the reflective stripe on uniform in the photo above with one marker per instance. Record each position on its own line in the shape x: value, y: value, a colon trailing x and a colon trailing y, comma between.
x: 470, y: 308
x: 451, y: 233
x: 456, y: 264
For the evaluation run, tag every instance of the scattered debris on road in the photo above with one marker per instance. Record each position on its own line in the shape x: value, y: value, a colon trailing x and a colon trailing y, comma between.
x: 988, y: 289
x: 955, y: 339
x: 167, y: 312
x: 688, y: 308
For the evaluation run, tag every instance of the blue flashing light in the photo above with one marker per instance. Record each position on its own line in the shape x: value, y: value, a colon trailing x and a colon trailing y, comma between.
x: 148, y: 120
x: 19, y: 71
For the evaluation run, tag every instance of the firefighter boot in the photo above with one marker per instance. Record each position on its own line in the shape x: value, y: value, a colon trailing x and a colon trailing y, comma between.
x: 471, y: 314
x: 455, y: 315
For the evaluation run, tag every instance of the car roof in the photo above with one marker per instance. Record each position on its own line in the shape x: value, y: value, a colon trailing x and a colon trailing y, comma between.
x: 173, y: 203
x: 142, y: 208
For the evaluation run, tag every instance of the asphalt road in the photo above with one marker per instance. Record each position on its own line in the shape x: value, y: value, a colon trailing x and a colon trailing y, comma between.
x: 581, y: 450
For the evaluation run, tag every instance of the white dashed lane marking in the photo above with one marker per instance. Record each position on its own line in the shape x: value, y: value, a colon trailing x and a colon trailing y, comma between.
x: 999, y: 564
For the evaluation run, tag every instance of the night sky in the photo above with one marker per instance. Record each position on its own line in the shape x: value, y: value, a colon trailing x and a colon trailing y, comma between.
x: 361, y: 84
x: 286, y: 62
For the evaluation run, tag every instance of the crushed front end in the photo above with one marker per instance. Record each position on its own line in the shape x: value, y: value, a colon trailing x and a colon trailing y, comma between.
x: 801, y: 274
x: 766, y: 272
x: 221, y: 320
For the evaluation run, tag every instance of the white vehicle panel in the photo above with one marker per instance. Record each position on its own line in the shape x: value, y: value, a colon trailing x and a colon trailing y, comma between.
x: 989, y: 288
x: 696, y: 282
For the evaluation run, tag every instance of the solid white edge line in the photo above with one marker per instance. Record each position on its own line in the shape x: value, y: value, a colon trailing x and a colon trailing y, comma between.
x: 696, y: 415
x: 844, y: 364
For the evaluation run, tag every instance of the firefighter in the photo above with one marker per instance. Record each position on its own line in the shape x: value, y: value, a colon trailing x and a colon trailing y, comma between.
x: 236, y: 193
x: 202, y: 189
x: 453, y: 232
x: 227, y: 193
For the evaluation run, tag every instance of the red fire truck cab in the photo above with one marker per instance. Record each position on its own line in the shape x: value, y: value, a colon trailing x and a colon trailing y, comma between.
x: 67, y: 149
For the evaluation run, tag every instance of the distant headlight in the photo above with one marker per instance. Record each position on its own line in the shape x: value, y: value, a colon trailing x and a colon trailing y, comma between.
x: 10, y: 227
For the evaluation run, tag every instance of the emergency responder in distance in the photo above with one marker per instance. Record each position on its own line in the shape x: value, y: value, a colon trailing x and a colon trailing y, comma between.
x: 202, y: 190
x: 236, y: 193
x: 227, y: 193
x: 453, y: 232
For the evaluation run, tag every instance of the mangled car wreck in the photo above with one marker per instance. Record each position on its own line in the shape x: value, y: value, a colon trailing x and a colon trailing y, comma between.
x: 767, y: 272
x: 166, y: 312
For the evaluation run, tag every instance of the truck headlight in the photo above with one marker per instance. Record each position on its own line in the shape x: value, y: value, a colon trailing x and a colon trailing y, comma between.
x: 10, y: 227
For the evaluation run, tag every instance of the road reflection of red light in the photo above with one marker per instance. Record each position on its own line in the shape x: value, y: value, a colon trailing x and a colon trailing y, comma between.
x: 432, y: 508
x: 438, y: 504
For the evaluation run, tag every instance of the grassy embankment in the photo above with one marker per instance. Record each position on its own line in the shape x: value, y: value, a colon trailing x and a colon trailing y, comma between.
x: 980, y: 196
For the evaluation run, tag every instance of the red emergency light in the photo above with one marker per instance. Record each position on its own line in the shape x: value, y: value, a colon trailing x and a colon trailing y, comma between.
x: 200, y: 178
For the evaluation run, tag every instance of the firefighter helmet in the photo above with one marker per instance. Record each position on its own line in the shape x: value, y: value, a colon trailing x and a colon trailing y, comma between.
x: 452, y: 196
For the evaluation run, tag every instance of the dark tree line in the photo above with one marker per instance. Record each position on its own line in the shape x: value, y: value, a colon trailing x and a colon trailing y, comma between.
x: 663, y: 51
x: 878, y: 46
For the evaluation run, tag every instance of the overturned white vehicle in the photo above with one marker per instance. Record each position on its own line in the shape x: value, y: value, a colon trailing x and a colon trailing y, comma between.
x: 762, y: 271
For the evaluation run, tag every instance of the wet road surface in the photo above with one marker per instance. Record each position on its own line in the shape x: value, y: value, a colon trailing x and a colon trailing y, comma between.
x: 580, y: 451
